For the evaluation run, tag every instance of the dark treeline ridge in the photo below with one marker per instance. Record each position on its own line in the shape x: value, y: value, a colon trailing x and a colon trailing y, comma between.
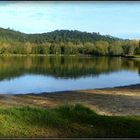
x: 65, y: 42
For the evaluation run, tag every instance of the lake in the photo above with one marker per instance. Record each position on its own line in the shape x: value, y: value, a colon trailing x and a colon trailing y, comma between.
x: 35, y: 74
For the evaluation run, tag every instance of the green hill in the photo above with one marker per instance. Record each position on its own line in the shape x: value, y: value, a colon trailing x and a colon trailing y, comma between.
x: 65, y: 42
x: 55, y: 36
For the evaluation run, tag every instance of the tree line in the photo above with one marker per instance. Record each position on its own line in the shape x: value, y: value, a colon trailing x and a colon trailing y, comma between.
x: 65, y: 42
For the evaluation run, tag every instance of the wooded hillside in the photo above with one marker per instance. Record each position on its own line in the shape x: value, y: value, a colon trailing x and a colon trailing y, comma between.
x: 65, y: 42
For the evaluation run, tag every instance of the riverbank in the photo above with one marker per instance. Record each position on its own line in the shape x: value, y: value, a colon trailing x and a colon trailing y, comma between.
x: 132, y: 56
x: 109, y: 112
x: 109, y: 101
x: 81, y: 55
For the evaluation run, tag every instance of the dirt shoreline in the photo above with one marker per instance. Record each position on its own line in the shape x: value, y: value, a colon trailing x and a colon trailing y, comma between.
x: 123, y: 100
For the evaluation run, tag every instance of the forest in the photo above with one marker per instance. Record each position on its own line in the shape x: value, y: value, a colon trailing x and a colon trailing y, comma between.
x: 67, y: 42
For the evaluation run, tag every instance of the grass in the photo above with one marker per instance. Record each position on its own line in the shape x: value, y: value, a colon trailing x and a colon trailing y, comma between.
x: 132, y: 56
x: 65, y: 121
x: 137, y: 56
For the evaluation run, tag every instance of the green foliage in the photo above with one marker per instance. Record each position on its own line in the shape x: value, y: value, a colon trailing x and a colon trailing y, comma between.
x: 65, y: 121
x: 116, y: 48
x: 65, y: 42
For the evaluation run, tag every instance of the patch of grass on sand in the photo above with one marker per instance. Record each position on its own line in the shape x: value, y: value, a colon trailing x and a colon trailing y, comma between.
x: 65, y: 121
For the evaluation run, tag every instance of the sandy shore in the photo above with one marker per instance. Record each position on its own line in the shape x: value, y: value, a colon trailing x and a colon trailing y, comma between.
x: 109, y: 101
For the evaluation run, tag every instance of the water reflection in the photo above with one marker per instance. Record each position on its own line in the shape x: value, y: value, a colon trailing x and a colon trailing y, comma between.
x: 63, y: 67
x: 44, y: 73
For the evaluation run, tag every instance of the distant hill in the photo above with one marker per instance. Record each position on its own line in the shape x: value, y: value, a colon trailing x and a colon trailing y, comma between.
x: 65, y: 42
x: 55, y: 36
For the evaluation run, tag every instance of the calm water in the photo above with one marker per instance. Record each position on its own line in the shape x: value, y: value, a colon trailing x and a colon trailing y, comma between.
x: 47, y: 74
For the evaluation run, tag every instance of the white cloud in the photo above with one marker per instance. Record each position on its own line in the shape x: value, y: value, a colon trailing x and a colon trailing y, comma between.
x: 107, y: 18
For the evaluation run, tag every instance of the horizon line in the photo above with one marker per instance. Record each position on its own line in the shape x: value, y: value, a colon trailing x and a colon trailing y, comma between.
x: 30, y: 33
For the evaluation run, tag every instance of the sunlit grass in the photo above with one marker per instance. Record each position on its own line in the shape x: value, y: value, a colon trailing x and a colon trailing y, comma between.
x: 65, y: 121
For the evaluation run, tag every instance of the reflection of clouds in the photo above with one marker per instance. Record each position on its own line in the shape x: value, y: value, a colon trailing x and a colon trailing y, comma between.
x: 39, y: 83
x: 40, y: 74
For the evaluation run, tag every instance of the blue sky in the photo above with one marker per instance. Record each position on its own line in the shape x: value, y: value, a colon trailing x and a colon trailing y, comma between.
x: 121, y: 19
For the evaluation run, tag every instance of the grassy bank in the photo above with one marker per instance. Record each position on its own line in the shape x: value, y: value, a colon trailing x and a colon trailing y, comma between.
x: 136, y: 56
x: 132, y: 56
x: 64, y: 121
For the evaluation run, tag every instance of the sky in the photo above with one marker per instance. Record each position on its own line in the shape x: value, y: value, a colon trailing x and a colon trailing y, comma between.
x: 120, y: 19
